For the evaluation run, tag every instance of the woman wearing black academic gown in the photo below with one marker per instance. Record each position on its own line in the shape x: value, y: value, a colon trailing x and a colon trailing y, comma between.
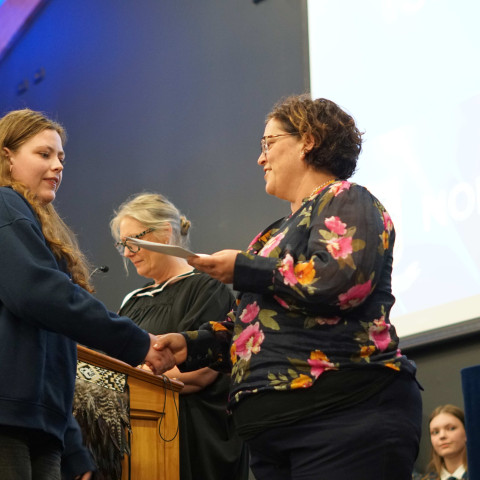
x: 177, y: 299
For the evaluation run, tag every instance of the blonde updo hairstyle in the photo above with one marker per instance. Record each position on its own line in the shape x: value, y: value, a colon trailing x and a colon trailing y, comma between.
x: 153, y: 210
x: 16, y: 128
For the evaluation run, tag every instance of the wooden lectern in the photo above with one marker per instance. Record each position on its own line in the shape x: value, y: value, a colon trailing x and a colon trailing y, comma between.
x: 153, y: 418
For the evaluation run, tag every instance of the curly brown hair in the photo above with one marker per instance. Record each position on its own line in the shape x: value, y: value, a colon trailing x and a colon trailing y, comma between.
x: 16, y: 128
x: 337, y: 140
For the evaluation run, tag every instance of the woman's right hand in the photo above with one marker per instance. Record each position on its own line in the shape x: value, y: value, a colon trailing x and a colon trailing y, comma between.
x: 219, y: 265
x: 194, y: 381
x: 175, y: 343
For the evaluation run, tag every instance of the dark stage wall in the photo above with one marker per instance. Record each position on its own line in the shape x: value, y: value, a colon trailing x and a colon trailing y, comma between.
x: 164, y: 96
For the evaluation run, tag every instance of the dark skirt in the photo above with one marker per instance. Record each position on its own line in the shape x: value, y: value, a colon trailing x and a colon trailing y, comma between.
x: 377, y: 439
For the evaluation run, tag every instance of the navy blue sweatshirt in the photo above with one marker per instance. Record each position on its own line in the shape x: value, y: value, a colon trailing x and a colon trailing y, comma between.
x: 43, y: 315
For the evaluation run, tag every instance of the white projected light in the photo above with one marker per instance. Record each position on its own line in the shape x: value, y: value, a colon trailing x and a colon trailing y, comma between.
x: 409, y: 73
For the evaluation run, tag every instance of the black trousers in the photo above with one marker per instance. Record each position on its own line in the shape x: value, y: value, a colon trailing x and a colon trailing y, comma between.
x: 29, y: 455
x: 377, y: 439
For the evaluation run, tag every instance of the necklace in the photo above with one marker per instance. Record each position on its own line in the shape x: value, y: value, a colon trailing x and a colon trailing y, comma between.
x: 319, y: 187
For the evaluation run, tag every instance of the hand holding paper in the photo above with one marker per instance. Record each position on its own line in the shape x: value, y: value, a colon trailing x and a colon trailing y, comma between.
x: 220, y: 265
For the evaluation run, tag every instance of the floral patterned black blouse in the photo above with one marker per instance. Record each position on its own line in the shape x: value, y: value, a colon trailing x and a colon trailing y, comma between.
x: 315, y: 296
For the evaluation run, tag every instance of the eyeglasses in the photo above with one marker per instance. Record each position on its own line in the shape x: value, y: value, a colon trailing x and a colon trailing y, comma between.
x: 121, y: 246
x: 264, y: 144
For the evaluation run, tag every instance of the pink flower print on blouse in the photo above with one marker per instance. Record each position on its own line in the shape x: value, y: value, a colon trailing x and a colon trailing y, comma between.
x: 335, y: 225
x: 355, y: 295
x: 328, y: 321
x: 337, y: 188
x: 249, y: 313
x: 249, y: 342
x: 318, y: 362
x: 282, y: 302
x: 379, y: 333
x: 271, y: 245
x: 340, y: 247
x: 387, y: 222
x: 287, y: 271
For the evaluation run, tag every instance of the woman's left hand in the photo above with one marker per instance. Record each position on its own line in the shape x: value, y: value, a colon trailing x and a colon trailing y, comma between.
x: 220, y: 265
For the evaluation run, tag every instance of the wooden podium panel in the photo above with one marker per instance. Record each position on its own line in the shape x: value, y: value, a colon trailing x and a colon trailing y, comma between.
x: 153, y: 418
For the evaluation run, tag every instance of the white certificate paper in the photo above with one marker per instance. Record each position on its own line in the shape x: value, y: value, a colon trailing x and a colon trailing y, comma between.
x: 172, y: 250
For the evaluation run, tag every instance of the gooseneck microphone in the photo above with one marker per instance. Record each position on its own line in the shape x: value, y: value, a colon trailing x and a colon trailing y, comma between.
x: 101, y: 268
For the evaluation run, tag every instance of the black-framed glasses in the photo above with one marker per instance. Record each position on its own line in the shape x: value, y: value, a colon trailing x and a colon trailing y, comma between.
x: 121, y: 246
x: 264, y: 143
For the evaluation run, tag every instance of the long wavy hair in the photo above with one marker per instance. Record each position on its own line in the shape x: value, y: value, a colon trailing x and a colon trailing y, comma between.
x: 16, y: 128
x: 436, y: 461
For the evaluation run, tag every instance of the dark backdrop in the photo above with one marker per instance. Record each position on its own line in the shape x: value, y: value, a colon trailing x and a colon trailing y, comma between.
x: 165, y: 96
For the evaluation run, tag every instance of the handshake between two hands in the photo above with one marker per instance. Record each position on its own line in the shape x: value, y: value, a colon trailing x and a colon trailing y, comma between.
x: 169, y: 350
x: 165, y: 352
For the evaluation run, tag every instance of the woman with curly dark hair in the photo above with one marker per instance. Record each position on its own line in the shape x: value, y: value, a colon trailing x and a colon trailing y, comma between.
x: 319, y: 387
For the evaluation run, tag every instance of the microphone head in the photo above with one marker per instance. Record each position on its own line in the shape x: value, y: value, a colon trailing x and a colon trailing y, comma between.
x: 101, y: 268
